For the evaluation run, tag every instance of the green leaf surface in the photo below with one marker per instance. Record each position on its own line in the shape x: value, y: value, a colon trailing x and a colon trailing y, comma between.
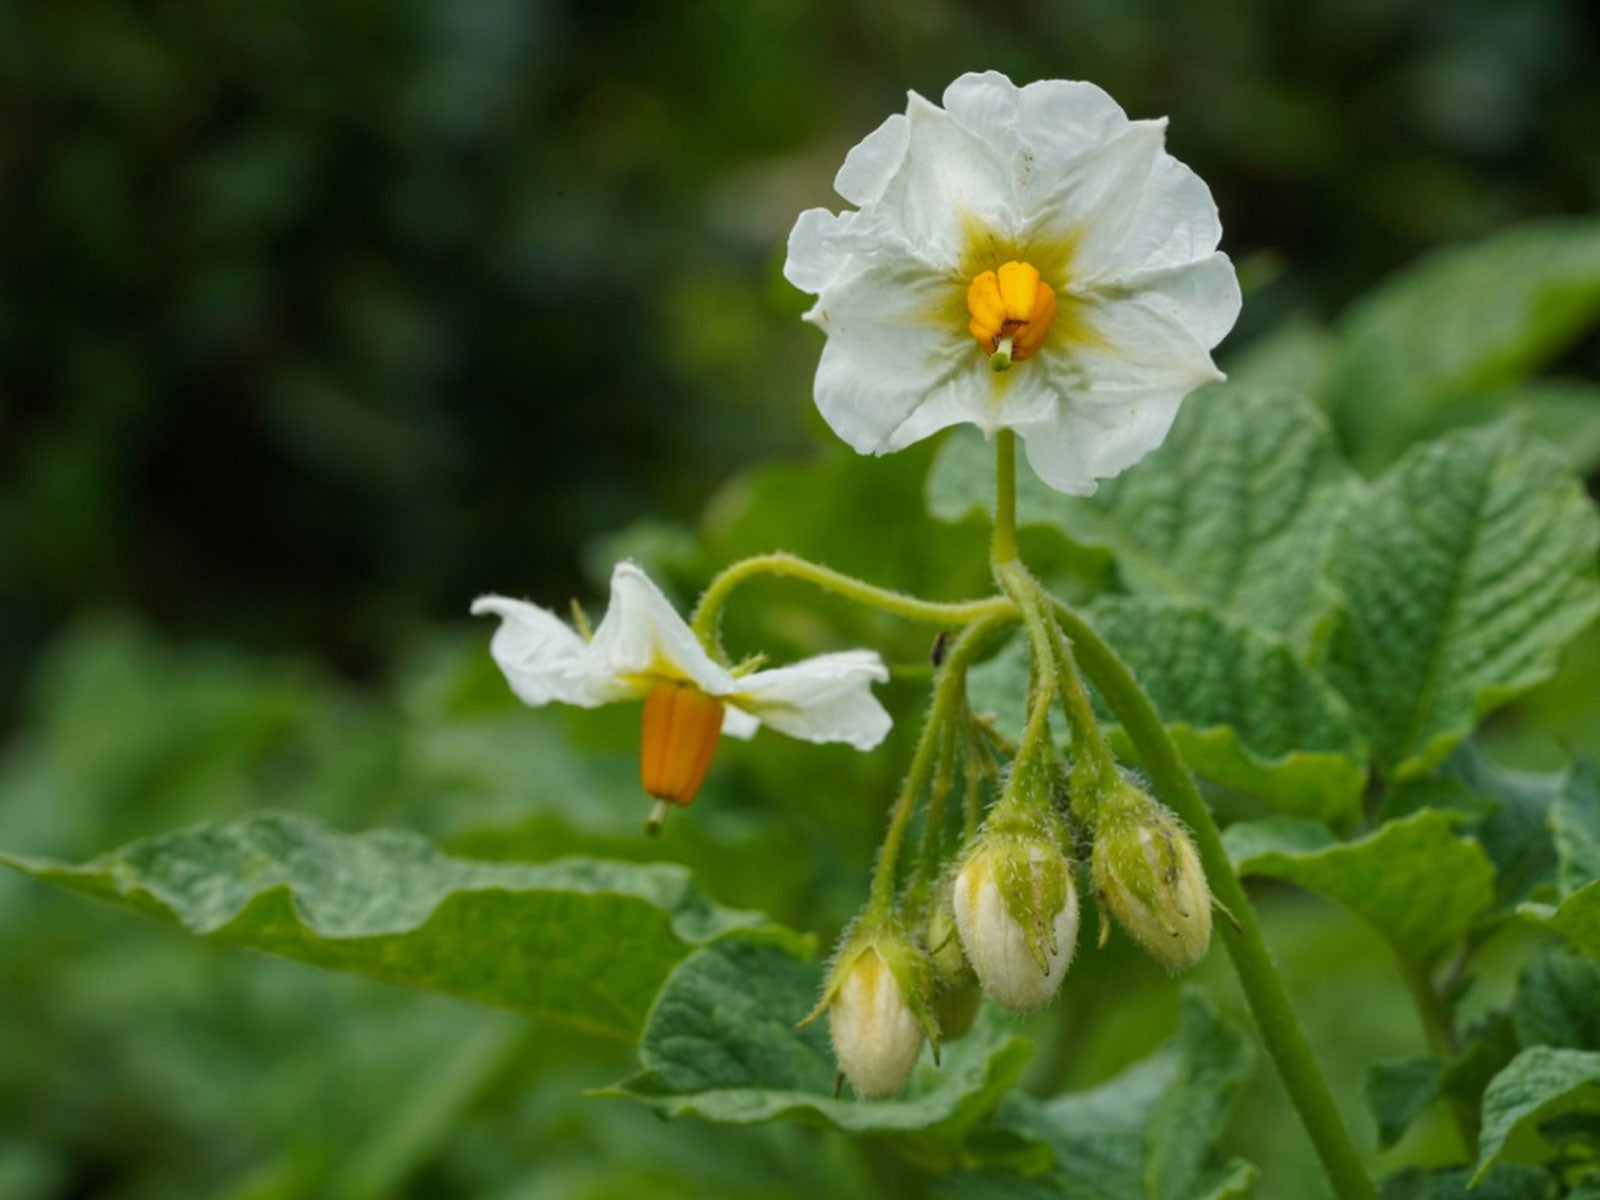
x: 1234, y: 509
x: 1541, y: 1083
x: 1466, y: 320
x: 1505, y: 1181
x: 1416, y: 880
x: 1244, y: 711
x: 584, y: 942
x: 721, y: 1044
x: 1576, y: 918
x: 1148, y: 1134
x: 1557, y: 1001
x: 1397, y: 1092
x: 1464, y: 571
x: 1575, y: 826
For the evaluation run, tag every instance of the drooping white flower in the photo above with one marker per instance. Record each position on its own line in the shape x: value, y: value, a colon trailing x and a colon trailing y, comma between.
x: 1021, y: 258
x: 643, y: 649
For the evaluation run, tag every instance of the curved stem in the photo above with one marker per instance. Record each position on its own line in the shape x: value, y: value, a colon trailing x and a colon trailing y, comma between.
x: 1258, y: 976
x: 950, y: 687
x: 708, y: 612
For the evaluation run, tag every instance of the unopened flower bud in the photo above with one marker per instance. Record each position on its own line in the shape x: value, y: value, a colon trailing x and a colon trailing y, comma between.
x: 878, y: 999
x: 876, y: 1036
x: 956, y: 995
x: 1017, y: 911
x: 1146, y: 872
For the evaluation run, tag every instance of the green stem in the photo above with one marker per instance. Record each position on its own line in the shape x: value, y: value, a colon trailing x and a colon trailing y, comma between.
x: 1004, y: 547
x: 1439, y: 1029
x: 1258, y: 976
x: 708, y: 612
x: 947, y: 691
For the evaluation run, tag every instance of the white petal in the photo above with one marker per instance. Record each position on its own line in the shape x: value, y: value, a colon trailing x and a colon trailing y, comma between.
x: 542, y: 658
x: 871, y: 161
x: 1088, y: 443
x: 740, y: 724
x: 1130, y: 207
x: 948, y: 179
x: 824, y: 699
x: 642, y: 636
x: 986, y: 104
x: 1202, y: 296
x: 820, y: 247
x: 891, y: 371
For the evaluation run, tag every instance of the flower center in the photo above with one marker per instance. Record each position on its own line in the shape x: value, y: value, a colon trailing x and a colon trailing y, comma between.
x: 679, y: 739
x: 1012, y: 309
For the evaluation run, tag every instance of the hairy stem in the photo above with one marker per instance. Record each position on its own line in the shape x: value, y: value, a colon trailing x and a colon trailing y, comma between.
x: 948, y: 692
x: 708, y: 613
x: 1258, y: 976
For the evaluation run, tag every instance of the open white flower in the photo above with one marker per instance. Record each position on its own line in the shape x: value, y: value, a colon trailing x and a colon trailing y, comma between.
x: 1022, y: 258
x: 643, y: 649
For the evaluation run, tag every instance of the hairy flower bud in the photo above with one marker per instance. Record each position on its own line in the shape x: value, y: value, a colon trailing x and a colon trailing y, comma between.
x: 956, y: 995
x: 1017, y: 911
x: 1146, y: 872
x: 876, y: 1036
x: 878, y: 997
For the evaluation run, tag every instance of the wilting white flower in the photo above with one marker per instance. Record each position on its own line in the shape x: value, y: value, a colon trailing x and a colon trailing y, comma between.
x: 643, y: 649
x: 1022, y: 258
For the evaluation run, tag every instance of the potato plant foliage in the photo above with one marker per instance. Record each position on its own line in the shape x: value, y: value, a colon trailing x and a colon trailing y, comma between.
x: 1356, y: 580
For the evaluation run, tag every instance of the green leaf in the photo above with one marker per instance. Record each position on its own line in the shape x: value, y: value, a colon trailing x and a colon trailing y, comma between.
x: 1466, y: 320
x: 1234, y: 509
x: 1576, y: 918
x: 1244, y: 711
x: 1575, y: 825
x: 1149, y: 1133
x: 1541, y: 1083
x: 1503, y: 1182
x: 1416, y: 880
x: 1557, y: 1002
x: 721, y: 1044
x: 1464, y: 570
x: 1397, y: 1093
x: 583, y: 942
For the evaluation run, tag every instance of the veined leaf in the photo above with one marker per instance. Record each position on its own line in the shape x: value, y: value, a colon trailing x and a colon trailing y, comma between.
x: 1148, y: 1134
x: 721, y: 1044
x: 1398, y: 1091
x: 1575, y: 827
x: 1505, y: 1181
x: 1542, y: 1082
x: 1464, y: 571
x: 1557, y: 1002
x: 1466, y: 320
x: 1233, y: 510
x: 584, y: 942
x: 1416, y: 880
x: 1244, y: 711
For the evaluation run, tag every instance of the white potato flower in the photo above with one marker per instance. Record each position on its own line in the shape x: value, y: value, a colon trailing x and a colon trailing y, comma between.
x: 1021, y: 258
x: 643, y: 649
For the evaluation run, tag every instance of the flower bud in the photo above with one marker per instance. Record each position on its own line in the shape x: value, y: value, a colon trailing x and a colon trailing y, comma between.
x: 1017, y: 911
x: 878, y: 997
x: 956, y: 1009
x: 956, y: 995
x: 1146, y: 872
x: 876, y: 1036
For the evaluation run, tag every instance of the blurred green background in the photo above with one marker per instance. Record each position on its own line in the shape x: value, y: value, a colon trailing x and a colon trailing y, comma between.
x: 316, y: 319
